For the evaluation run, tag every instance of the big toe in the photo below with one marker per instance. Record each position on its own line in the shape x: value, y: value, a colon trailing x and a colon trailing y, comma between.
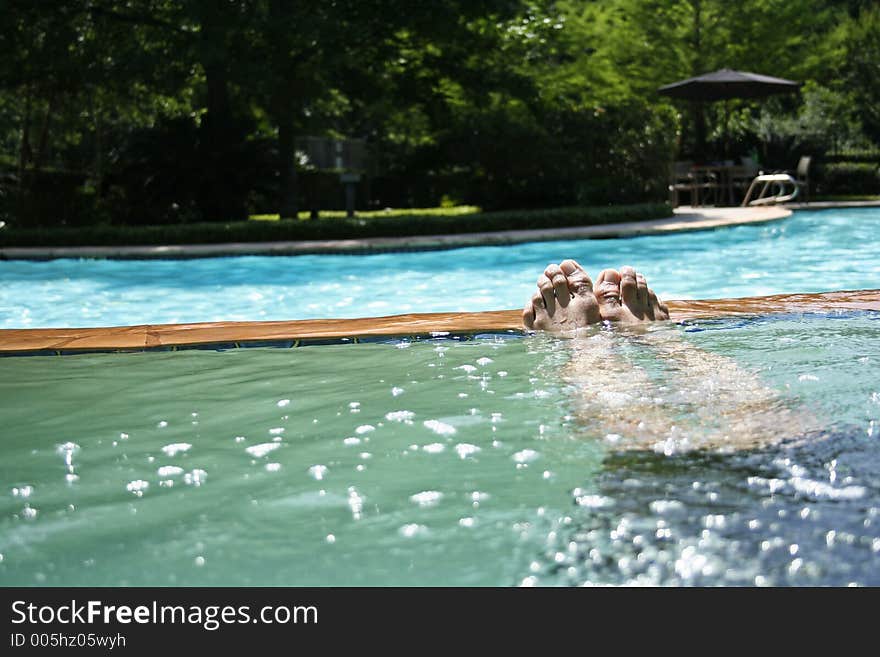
x: 579, y: 281
x: 608, y: 291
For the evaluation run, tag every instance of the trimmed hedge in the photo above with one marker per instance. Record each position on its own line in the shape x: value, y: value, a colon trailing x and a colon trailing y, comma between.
x: 849, y: 178
x: 330, y: 228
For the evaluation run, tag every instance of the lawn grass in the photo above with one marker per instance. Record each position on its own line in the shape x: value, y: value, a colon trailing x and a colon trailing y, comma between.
x: 403, y: 223
x: 386, y: 212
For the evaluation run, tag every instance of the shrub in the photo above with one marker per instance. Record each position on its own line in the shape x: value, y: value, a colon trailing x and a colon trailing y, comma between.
x: 375, y: 225
x: 849, y: 178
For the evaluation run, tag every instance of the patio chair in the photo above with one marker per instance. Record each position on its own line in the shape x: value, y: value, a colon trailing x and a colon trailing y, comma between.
x: 741, y: 176
x: 802, y: 175
x: 700, y: 186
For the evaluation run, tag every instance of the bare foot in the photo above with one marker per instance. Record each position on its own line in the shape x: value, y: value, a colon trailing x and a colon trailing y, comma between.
x: 624, y: 296
x: 564, y: 301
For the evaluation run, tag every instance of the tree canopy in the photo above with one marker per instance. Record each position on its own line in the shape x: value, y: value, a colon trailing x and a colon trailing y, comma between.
x: 158, y: 111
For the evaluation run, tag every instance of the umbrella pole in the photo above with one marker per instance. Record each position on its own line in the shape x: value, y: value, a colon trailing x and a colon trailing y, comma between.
x: 699, y: 131
x: 726, y: 129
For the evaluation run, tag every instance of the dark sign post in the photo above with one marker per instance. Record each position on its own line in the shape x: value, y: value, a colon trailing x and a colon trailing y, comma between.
x: 347, y: 156
x: 350, y: 180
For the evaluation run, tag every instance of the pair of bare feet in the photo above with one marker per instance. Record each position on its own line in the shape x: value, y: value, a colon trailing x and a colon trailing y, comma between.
x: 567, y: 301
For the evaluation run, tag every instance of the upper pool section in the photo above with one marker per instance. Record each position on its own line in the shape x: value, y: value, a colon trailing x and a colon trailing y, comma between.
x: 812, y: 251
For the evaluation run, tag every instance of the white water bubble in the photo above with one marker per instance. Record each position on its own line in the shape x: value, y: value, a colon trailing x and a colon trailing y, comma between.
x: 281, y: 403
x: 22, y: 491
x: 330, y: 539
x: 199, y: 561
x: 364, y: 428
x: 137, y: 487
x: 351, y: 440
x: 318, y: 472
x: 273, y: 467
x: 466, y: 368
x: 465, y: 450
x: 67, y: 450
x: 440, y: 428
x: 169, y: 471
x: 405, y: 417
x: 427, y: 498
x: 277, y: 431
x: 123, y: 436
x: 593, y: 501
x: 525, y: 456
x: 259, y: 451
x: 196, y: 477
x: 434, y: 448
x: 162, y: 424
x: 396, y: 392
x: 175, y: 448
x: 29, y: 512
x: 412, y: 530
x: 355, y: 502
x: 484, y: 361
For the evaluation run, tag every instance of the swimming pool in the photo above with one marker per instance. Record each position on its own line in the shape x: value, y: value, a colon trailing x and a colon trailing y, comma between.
x: 435, y: 463
x: 810, y: 252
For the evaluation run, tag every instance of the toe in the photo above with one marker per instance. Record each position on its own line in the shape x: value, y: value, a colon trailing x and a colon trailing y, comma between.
x: 560, y: 284
x: 608, y: 294
x: 528, y: 315
x: 642, y: 285
x: 629, y: 286
x: 652, y: 306
x: 661, y: 311
x: 540, y: 311
x: 548, y: 295
x: 579, y: 281
x: 560, y: 287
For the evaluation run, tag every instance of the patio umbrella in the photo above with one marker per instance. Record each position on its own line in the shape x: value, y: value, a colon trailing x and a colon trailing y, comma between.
x: 727, y: 83
x: 724, y: 84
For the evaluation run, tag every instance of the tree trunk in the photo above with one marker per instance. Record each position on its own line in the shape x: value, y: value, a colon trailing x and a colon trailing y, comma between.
x: 44, y: 134
x: 287, y: 188
x: 24, y: 151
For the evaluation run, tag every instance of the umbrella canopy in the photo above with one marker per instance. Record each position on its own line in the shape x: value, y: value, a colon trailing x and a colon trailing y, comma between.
x: 727, y: 83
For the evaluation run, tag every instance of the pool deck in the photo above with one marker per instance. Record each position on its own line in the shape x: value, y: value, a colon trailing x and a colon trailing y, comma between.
x: 685, y: 219
x: 225, y: 335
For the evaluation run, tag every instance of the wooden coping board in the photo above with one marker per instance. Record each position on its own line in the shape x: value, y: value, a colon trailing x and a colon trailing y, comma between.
x: 170, y: 336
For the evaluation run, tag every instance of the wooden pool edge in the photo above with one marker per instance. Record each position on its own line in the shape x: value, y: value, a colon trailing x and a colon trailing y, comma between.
x: 311, y: 331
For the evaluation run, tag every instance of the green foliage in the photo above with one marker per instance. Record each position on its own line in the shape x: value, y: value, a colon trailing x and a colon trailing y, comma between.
x: 375, y: 225
x: 181, y: 111
x: 825, y: 121
x: 849, y: 178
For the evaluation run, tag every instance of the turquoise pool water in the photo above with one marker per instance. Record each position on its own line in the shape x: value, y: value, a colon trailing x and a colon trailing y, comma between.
x: 810, y: 252
x: 446, y: 463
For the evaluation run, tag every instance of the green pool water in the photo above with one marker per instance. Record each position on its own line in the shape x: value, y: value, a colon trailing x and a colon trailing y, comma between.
x: 429, y: 463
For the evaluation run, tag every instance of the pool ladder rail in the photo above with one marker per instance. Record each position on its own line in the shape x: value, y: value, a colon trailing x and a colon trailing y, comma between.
x: 775, y: 181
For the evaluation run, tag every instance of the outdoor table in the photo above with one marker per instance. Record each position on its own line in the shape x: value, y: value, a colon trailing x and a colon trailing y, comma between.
x: 724, y: 176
